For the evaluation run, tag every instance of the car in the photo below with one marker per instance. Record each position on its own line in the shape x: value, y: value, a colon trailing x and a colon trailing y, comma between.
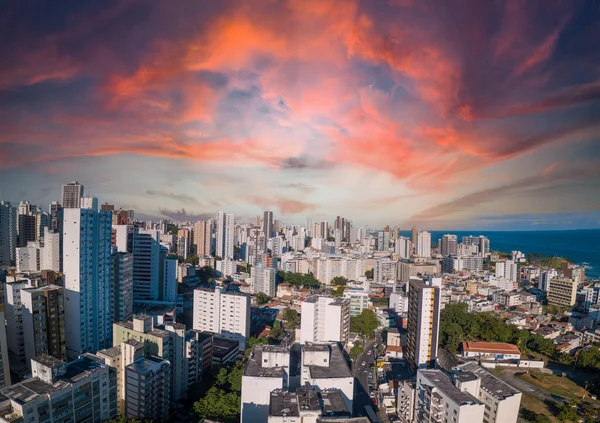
x: 369, y: 352
x: 371, y: 388
x: 363, y: 363
x: 372, y: 394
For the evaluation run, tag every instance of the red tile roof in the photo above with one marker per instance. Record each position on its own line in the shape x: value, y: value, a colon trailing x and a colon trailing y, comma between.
x: 490, y: 347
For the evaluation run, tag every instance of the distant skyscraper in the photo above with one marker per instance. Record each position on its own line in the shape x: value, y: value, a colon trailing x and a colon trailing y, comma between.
x: 26, y: 229
x: 87, y: 265
x: 122, y: 286
x: 449, y: 245
x: 403, y: 247
x: 71, y: 195
x: 8, y: 233
x: 423, y: 327
x: 202, y: 237
x: 413, y: 236
x: 267, y: 226
x: 263, y: 279
x: 424, y: 244
x: 146, y: 264
x: 225, y: 235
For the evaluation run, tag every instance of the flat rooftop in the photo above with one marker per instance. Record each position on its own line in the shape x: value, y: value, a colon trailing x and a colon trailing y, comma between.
x: 145, y: 365
x: 490, y: 383
x: 334, y: 404
x: 338, y: 366
x: 254, y: 365
x: 159, y: 333
x: 440, y: 381
x: 283, y: 404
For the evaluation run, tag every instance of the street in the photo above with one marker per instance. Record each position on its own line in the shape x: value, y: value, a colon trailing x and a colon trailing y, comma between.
x: 361, y: 376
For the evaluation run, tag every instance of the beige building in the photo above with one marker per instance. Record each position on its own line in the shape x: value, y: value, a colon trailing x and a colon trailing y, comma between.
x: 562, y: 292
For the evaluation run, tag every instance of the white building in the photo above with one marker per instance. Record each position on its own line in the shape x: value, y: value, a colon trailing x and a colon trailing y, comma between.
x: 503, y: 283
x: 501, y: 401
x: 81, y: 390
x: 169, y: 279
x: 385, y: 270
x: 399, y: 302
x: 403, y: 247
x: 353, y: 268
x: 423, y: 246
x: 545, y: 278
x: 28, y: 258
x: 224, y: 313
x: 263, y: 279
x: 324, y: 367
x: 359, y: 300
x: 267, y: 369
x: 449, y: 245
x: 327, y: 269
x: 87, y: 265
x: 491, y: 350
x: 14, y: 316
x: 225, y: 235
x: 438, y: 400
x: 50, y: 252
x: 325, y: 319
x: 507, y: 269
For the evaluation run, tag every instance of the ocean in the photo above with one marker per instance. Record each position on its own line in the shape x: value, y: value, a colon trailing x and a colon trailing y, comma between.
x: 580, y: 246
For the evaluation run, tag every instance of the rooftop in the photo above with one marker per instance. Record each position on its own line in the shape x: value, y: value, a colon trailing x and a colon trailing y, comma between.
x: 222, y: 347
x: 334, y: 404
x: 440, y: 381
x: 490, y: 383
x: 49, y: 361
x: 159, y: 333
x: 490, y: 347
x: 338, y: 366
x: 283, y: 404
x: 254, y: 365
x: 146, y: 365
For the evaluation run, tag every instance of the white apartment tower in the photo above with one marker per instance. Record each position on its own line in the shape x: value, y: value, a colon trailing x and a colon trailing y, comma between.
x: 87, y: 266
x: 264, y: 279
x: 507, y: 269
x: 423, y: 326
x: 325, y: 319
x: 225, y: 235
x: 71, y: 195
x: 223, y: 313
x: 403, y: 247
x: 424, y: 244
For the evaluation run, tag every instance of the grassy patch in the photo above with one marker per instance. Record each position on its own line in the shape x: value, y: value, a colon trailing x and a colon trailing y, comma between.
x: 533, y: 404
x: 555, y: 384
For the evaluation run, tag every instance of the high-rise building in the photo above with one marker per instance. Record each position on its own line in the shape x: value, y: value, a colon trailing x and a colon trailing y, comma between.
x: 8, y: 233
x: 325, y: 319
x: 146, y: 265
x: 119, y: 357
x: 413, y: 236
x: 449, y: 245
x: 168, y: 279
x: 424, y: 244
x: 385, y: 270
x: 545, y: 277
x: 263, y: 279
x: 71, y: 195
x: 4, y: 363
x: 28, y: 258
x: 267, y: 226
x: 423, y: 327
x: 14, y: 315
x: 202, y: 237
x: 225, y: 235
x: 122, y: 286
x: 147, y: 389
x: 403, y: 247
x: 507, y: 269
x: 224, y: 313
x: 26, y: 229
x: 50, y: 253
x: 88, y: 269
x: 81, y: 390
x: 562, y: 292
x: 44, y: 322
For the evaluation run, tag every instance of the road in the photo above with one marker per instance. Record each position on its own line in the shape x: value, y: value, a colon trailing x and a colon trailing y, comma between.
x: 361, y: 377
x: 508, y: 375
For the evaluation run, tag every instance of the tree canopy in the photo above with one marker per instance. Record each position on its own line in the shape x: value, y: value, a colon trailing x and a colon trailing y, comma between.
x: 356, y: 350
x: 365, y: 323
x: 457, y: 325
x: 261, y: 298
x: 222, y: 401
x: 369, y: 274
x: 252, y: 342
x: 339, y: 280
x: 299, y: 279
x: 338, y: 291
x: 291, y: 317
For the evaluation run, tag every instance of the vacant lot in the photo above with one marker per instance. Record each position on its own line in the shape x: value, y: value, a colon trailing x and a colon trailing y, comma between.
x: 555, y: 385
x: 531, y: 403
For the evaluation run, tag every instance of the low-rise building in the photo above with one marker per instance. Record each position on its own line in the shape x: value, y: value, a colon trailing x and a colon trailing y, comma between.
x: 496, y: 350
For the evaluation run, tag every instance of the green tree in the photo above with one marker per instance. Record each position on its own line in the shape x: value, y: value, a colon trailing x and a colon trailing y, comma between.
x: 338, y: 291
x: 365, y: 323
x: 252, y: 342
x: 219, y: 405
x: 235, y: 377
x: 193, y: 259
x: 291, y: 317
x: 451, y: 335
x: 261, y: 299
x: 568, y: 413
x: 369, y: 274
x: 339, y: 280
x: 298, y: 279
x: 277, y: 330
x: 356, y: 350
x: 330, y: 239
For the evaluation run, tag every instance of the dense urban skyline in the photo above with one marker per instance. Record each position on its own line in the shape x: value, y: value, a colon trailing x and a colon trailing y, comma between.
x: 455, y: 116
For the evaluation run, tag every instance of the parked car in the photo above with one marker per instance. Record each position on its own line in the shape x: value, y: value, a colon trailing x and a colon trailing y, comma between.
x: 363, y: 363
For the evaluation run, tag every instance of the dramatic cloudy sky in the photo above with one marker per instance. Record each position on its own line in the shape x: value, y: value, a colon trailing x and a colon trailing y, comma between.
x: 447, y: 114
